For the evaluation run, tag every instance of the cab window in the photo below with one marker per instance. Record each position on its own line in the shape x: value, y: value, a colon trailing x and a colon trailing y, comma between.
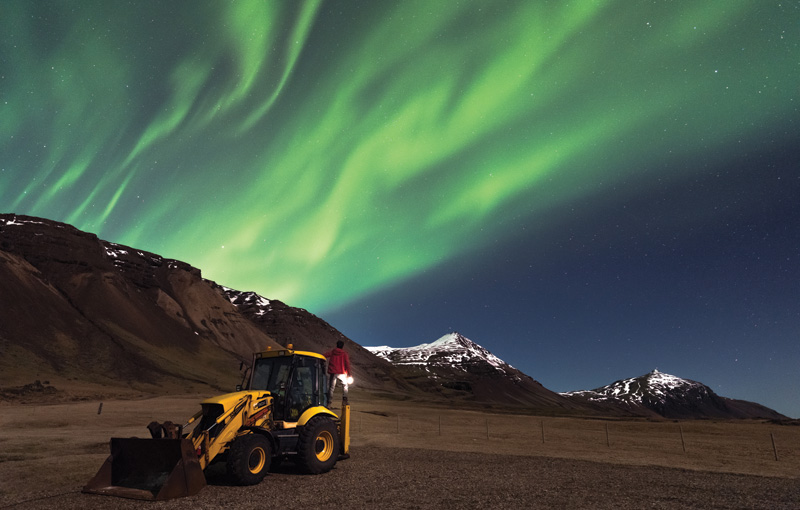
x: 271, y: 374
x: 304, y: 390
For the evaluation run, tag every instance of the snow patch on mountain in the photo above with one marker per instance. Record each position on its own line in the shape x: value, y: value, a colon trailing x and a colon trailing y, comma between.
x: 115, y: 250
x: 16, y: 221
x: 247, y: 300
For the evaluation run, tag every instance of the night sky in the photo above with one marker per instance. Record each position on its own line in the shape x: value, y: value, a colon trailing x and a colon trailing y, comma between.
x: 590, y: 190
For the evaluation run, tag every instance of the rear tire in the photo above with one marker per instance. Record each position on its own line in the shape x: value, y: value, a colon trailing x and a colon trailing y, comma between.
x: 249, y: 459
x: 318, y: 445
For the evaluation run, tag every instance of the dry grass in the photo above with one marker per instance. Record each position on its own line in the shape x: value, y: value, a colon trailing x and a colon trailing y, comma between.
x: 743, y: 447
x: 57, y: 448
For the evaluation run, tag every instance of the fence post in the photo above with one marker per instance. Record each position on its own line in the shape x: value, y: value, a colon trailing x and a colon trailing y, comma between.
x: 683, y: 443
x: 542, y: 422
x: 608, y: 440
x: 774, y: 448
x: 440, y: 424
x: 487, y: 428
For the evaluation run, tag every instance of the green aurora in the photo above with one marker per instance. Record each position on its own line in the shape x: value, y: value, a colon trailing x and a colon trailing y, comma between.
x: 316, y: 152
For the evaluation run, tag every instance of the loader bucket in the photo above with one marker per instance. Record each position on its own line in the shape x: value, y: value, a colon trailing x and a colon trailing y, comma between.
x: 154, y: 469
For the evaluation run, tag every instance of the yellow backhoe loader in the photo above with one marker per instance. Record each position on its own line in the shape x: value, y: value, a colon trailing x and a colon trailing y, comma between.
x: 279, y: 414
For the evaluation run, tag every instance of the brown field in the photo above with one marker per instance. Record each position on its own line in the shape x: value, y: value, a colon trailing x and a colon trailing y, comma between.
x: 412, y: 455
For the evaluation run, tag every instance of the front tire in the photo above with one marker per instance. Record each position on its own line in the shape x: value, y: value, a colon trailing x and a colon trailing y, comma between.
x: 249, y: 459
x: 318, y: 445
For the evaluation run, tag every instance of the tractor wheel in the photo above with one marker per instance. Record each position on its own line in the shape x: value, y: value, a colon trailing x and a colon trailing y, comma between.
x: 249, y: 459
x: 318, y: 445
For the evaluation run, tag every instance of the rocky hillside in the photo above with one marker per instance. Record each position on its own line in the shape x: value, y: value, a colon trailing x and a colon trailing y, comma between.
x: 672, y: 397
x: 77, y: 308
x: 80, y: 312
x: 305, y: 331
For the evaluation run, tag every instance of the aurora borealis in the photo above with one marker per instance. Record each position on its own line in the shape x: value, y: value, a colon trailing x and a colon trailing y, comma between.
x: 588, y: 189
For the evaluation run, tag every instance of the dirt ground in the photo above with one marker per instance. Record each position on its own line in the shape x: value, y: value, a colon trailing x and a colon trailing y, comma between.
x: 411, y: 455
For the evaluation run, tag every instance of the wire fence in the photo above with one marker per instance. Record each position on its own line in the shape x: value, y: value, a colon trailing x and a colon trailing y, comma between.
x: 726, y: 441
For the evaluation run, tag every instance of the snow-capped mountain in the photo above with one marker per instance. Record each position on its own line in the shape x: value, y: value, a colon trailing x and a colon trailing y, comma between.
x: 672, y: 397
x: 451, y: 351
x: 459, y: 368
x: 640, y: 390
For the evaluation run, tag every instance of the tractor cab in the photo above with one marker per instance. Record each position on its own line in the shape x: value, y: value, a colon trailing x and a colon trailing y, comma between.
x: 296, y: 380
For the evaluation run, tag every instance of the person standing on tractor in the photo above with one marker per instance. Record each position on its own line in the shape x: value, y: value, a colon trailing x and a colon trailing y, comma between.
x: 338, y: 369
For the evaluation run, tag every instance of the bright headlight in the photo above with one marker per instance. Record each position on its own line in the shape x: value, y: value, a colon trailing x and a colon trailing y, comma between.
x: 349, y: 380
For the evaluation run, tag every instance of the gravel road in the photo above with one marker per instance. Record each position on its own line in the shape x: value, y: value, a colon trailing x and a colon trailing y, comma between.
x: 401, y: 478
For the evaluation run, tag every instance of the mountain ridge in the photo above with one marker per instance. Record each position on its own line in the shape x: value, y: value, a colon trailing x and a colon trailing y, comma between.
x: 459, y: 369
x: 107, y: 318
x: 672, y: 397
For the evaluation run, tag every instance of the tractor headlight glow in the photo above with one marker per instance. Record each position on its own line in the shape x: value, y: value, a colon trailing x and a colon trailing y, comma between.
x: 349, y: 379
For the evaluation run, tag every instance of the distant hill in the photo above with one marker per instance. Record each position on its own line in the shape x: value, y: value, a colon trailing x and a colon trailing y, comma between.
x: 458, y: 368
x: 672, y: 397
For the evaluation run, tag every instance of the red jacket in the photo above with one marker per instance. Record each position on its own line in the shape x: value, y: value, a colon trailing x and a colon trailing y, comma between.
x: 338, y: 361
